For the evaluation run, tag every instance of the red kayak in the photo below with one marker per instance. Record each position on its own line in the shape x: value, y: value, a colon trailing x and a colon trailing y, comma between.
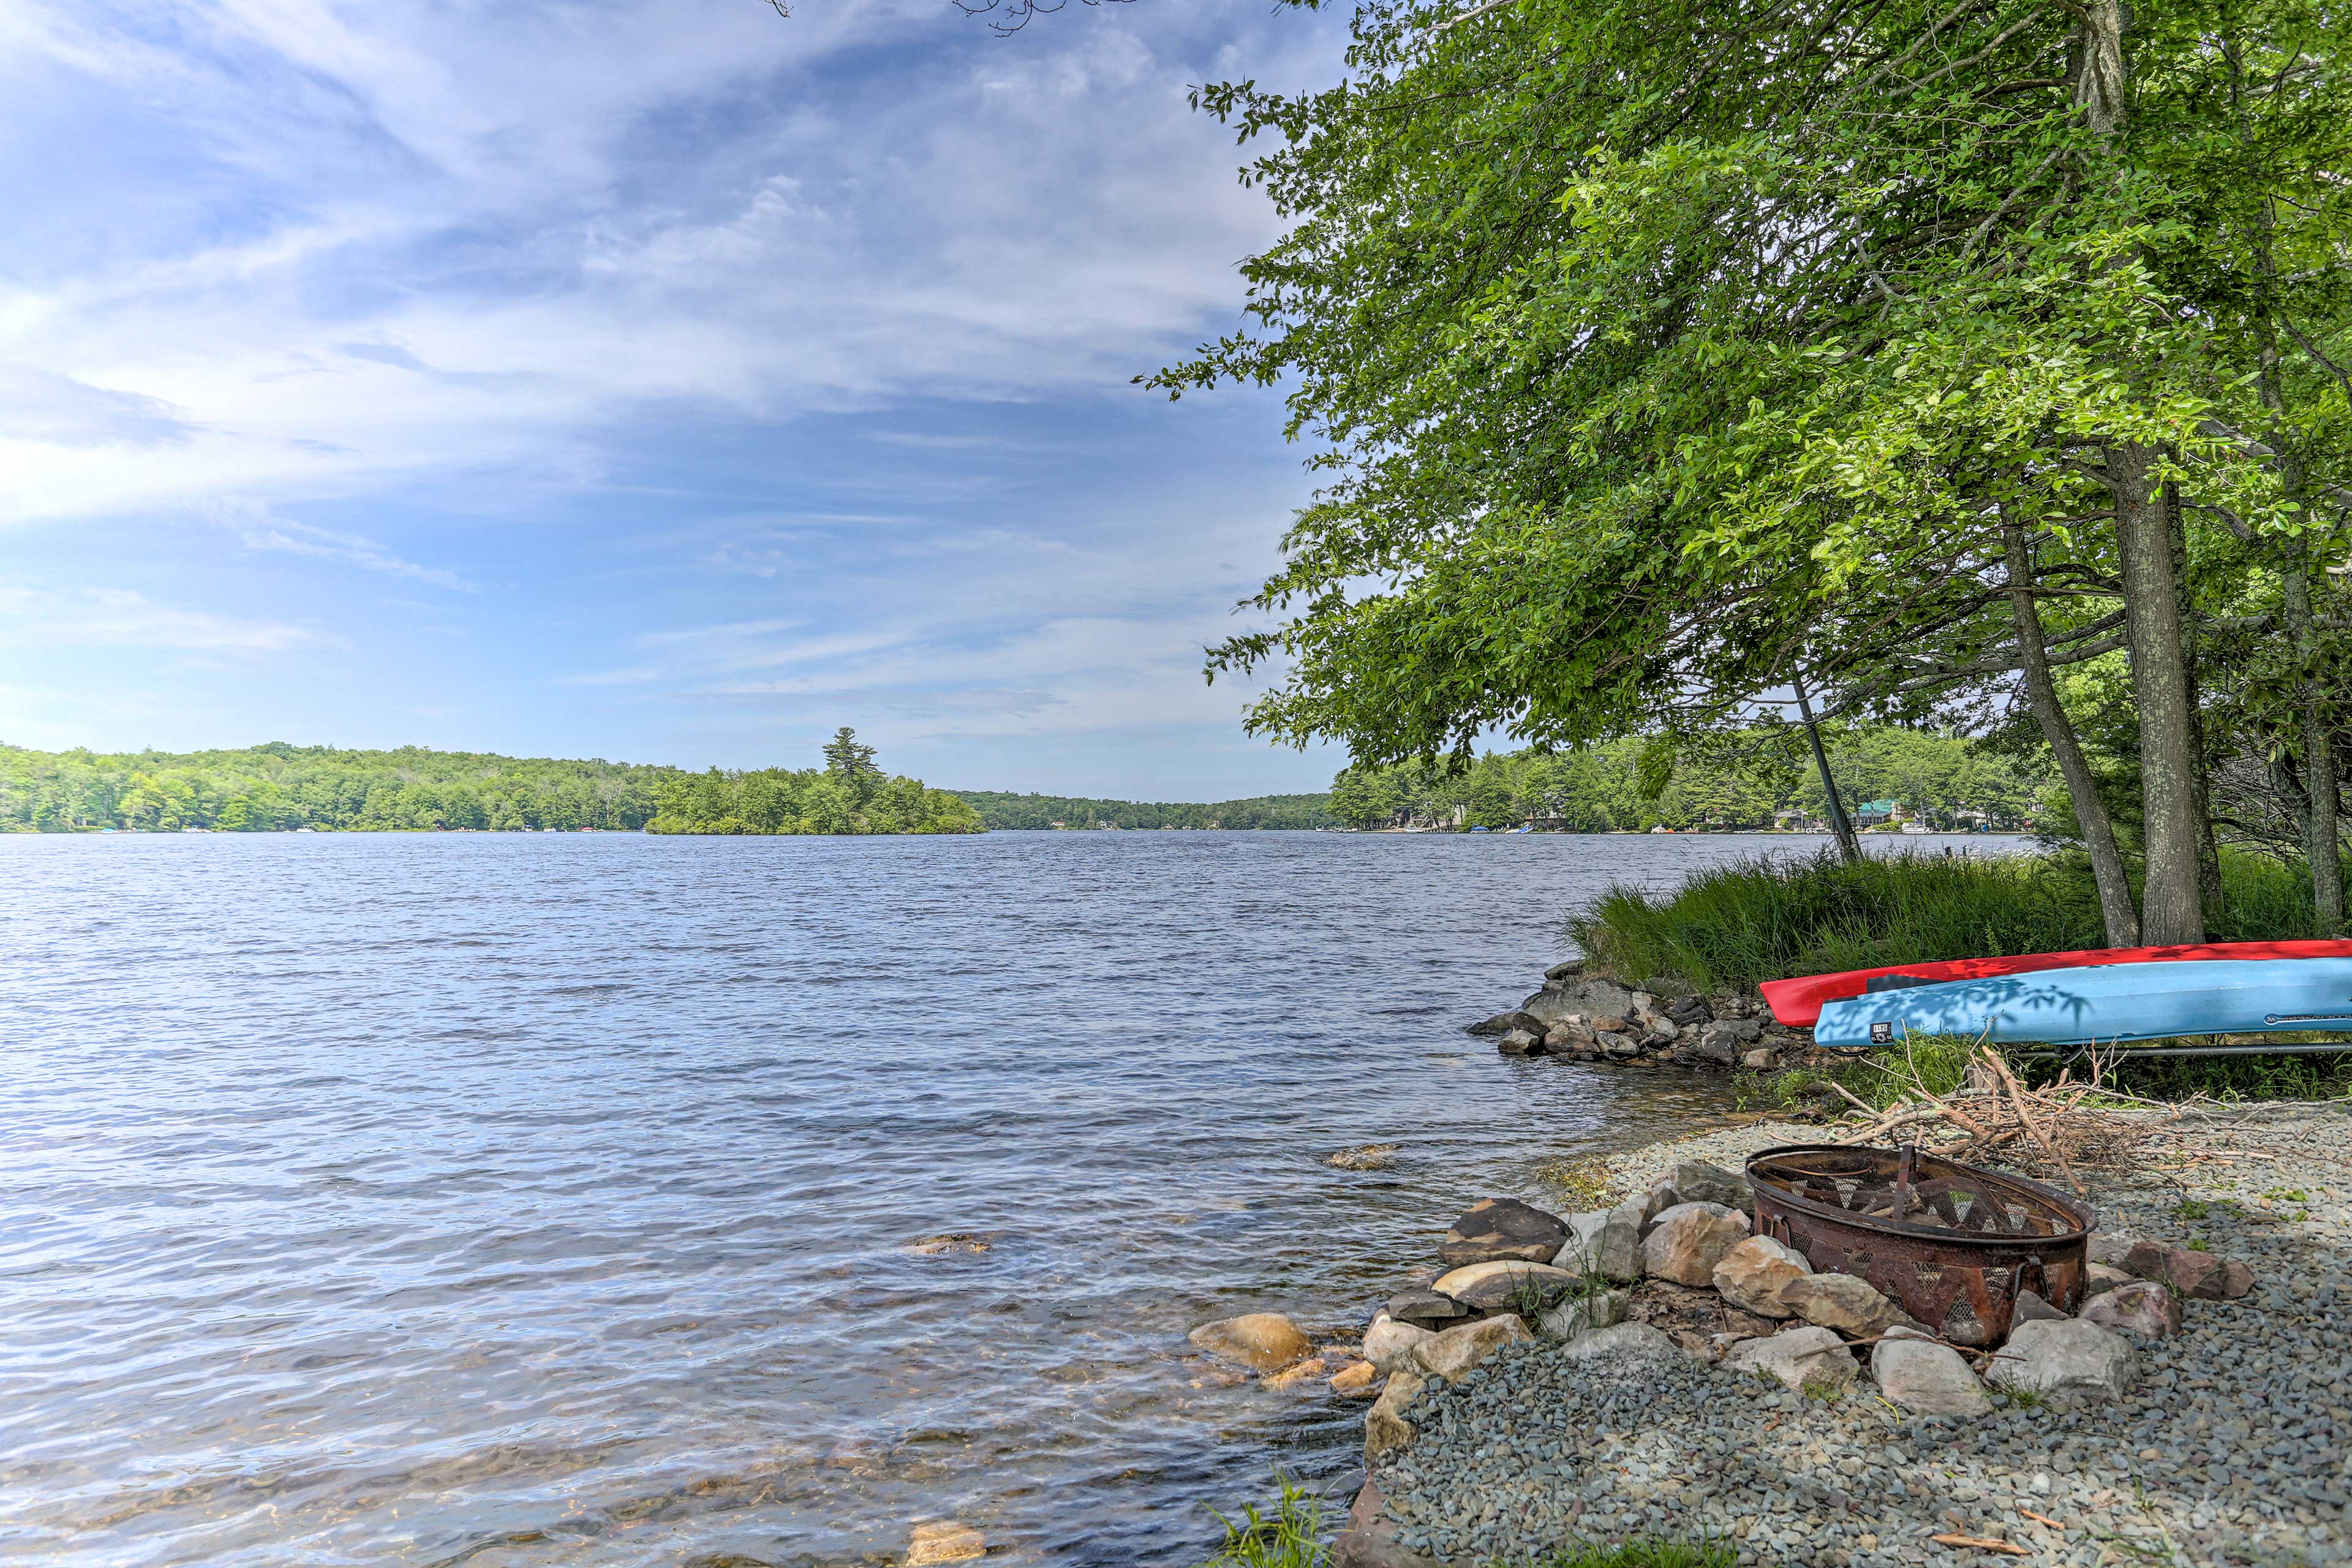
x: 1797, y: 1002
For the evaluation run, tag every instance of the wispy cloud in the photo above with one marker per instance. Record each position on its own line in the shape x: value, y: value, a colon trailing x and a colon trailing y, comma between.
x: 258, y: 528
x: 121, y: 617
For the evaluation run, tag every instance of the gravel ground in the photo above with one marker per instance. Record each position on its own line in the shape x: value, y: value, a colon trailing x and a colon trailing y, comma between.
x: 2230, y: 1449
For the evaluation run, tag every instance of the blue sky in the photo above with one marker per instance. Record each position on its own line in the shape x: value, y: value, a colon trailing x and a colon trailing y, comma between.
x: 648, y: 379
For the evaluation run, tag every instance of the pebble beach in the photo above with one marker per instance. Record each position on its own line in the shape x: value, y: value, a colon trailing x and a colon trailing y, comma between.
x: 2227, y: 1446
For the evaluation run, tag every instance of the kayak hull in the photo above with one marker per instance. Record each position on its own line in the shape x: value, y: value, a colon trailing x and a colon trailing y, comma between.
x: 2104, y: 1003
x: 1797, y: 1002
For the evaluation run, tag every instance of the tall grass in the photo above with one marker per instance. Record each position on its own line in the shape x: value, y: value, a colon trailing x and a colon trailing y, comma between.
x: 1735, y: 925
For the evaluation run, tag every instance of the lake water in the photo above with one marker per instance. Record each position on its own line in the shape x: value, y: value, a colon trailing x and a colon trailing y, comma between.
x: 554, y: 1200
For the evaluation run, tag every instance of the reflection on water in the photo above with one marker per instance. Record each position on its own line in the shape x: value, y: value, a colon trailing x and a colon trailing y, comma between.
x: 536, y: 1200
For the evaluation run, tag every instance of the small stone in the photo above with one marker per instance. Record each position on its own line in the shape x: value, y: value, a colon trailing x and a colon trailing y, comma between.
x: 2098, y: 1278
x: 1802, y: 1358
x: 1689, y: 1239
x: 1696, y: 1182
x: 1564, y: 968
x: 1263, y: 1341
x: 1567, y: 1036
x: 1426, y: 1309
x: 2067, y: 1356
x: 1608, y: 1024
x: 1520, y: 1043
x: 1851, y: 1305
x: 1921, y: 1375
x: 1385, y: 1427
x: 2141, y: 1308
x: 945, y: 1541
x: 1625, y: 1341
x: 1507, y: 1285
x: 2199, y: 1276
x: 2031, y: 1309
x: 1495, y: 1228
x: 1757, y: 1060
x: 1452, y: 1355
x: 1356, y: 1379
x: 1503, y: 1022
x: 1582, y: 1314
x: 1363, y: 1157
x: 1298, y: 1376
x: 1751, y: 1274
x: 1388, y: 1343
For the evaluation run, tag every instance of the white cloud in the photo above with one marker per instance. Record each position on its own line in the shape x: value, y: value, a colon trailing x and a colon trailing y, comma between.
x: 123, y: 617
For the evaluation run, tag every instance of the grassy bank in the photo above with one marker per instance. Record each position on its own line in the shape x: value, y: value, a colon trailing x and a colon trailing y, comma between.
x: 1288, y: 1533
x: 1730, y: 927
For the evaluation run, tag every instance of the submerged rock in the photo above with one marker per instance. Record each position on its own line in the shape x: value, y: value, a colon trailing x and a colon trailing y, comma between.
x: 1356, y: 1379
x: 944, y: 1541
x: 1261, y: 1340
x: 1495, y: 1228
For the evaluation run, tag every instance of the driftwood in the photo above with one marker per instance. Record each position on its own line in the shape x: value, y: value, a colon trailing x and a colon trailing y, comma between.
x: 2049, y: 1130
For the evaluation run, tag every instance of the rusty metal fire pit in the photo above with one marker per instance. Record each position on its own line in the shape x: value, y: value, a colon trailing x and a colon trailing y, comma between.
x: 1951, y: 1243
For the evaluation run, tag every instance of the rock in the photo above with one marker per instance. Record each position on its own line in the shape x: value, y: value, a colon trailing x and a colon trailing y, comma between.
x: 1751, y: 1274
x: 1656, y: 1031
x: 1850, y: 1305
x: 1583, y: 1314
x: 2201, y: 1276
x: 1686, y: 1011
x: 1689, y: 1239
x: 2098, y: 1277
x: 1727, y: 1039
x: 1923, y: 1376
x: 1298, y: 1376
x: 1426, y: 1309
x: 1264, y: 1341
x: 2031, y: 1309
x: 2141, y: 1308
x: 1495, y: 1228
x: 1371, y: 1539
x: 1452, y: 1355
x: 1564, y: 968
x: 2064, y: 1356
x: 945, y: 1541
x: 1388, y: 1343
x: 1606, y: 1242
x: 1507, y: 1285
x: 1757, y: 1060
x: 1520, y: 1043
x: 1385, y: 1427
x: 1503, y: 1022
x: 1696, y: 1182
x: 1567, y: 1036
x: 1619, y: 1045
x: 1363, y: 1157
x: 1622, y: 1341
x: 1585, y: 998
x: 1356, y: 1379
x: 1609, y: 1024
x: 1802, y: 1358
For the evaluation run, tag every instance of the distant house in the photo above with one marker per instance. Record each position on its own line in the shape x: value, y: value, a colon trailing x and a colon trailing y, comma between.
x: 1875, y: 813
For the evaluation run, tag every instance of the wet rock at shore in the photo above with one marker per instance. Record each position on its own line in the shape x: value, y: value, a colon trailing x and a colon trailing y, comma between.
x: 1385, y: 1427
x: 2065, y: 1356
x: 1850, y: 1305
x: 1507, y: 1285
x: 944, y: 1541
x: 1388, y: 1343
x: 1452, y: 1355
x: 1363, y: 1157
x: 1426, y: 1309
x: 1926, y: 1377
x: 1357, y: 1380
x: 1564, y: 968
x: 1568, y: 1037
x: 1685, y: 1011
x: 1519, y: 1043
x: 1496, y: 1228
x: 1588, y: 999
x: 1503, y: 1022
x: 1689, y: 1239
x: 1261, y: 1341
x: 1803, y: 1358
x: 1753, y: 1272
x: 2141, y: 1308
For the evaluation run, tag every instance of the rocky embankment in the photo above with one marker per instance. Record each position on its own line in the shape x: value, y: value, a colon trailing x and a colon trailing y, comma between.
x: 1654, y: 1370
x: 1586, y: 1017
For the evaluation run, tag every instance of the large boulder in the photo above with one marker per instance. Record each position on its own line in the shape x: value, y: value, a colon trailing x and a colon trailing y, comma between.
x: 1388, y: 1343
x: 1426, y: 1309
x: 2201, y: 1276
x: 1801, y: 1358
x: 2063, y: 1356
x: 1850, y: 1305
x: 1503, y: 1022
x: 1264, y: 1341
x: 1583, y: 1314
x: 1587, y: 999
x: 1495, y: 1228
x: 2142, y: 1307
x: 1753, y: 1272
x: 1606, y: 1242
x: 1696, y: 1182
x: 1520, y: 1043
x: 1623, y: 1342
x: 1689, y: 1239
x: 1507, y: 1285
x: 1569, y: 1038
x: 1385, y: 1425
x: 1926, y: 1377
x: 1452, y: 1355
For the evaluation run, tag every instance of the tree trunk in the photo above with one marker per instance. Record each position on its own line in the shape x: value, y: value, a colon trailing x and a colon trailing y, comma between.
x: 2172, y: 909
x: 2208, y: 849
x: 2320, y: 784
x: 1841, y: 825
x: 2042, y: 697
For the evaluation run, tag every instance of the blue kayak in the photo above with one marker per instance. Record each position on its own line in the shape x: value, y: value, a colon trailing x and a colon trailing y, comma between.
x: 2102, y: 1002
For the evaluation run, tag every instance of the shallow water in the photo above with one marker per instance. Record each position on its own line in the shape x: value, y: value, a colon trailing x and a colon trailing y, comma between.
x: 552, y: 1200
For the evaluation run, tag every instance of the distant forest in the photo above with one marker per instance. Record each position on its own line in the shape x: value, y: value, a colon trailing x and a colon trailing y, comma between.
x: 1001, y: 809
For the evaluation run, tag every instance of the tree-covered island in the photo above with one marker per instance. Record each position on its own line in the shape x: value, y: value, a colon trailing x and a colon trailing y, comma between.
x: 849, y: 794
